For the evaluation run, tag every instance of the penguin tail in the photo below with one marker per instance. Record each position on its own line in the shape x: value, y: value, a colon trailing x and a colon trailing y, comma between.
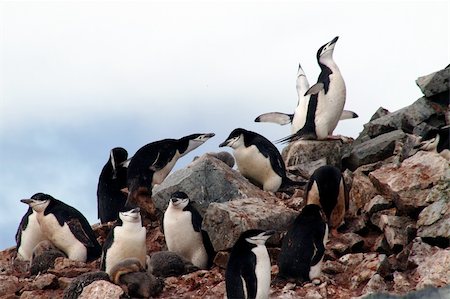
x: 287, y: 183
x: 288, y: 139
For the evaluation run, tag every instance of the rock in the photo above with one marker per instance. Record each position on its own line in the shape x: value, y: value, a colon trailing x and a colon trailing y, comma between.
x: 398, y: 231
x: 379, y: 113
x: 45, y: 281
x: 223, y: 156
x: 8, y: 285
x: 41, y: 294
x: 224, y: 222
x: 332, y: 267
x: 434, y: 223
x: 378, y: 203
x: 361, y: 193
x: 401, y: 283
x: 409, y: 184
x: 375, y: 284
x: 101, y: 289
x: 361, y: 267
x: 44, y: 261
x: 440, y: 191
x: 373, y: 150
x: 205, y: 180
x: 305, y: 152
x: 435, y: 83
x: 167, y: 263
x: 381, y: 245
x: 78, y: 284
x: 306, y: 169
x: 221, y: 259
x: 64, y: 282
x: 375, y: 219
x: 346, y: 243
x: 141, y: 284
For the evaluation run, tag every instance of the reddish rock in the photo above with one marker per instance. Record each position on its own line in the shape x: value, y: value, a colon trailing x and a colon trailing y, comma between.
x: 101, y: 289
x: 361, y: 193
x: 8, y: 285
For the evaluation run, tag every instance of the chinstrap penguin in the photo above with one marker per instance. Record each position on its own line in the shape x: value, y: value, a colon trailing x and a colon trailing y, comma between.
x: 258, y: 160
x: 65, y: 227
x: 183, y: 232
x: 298, y: 119
x: 125, y: 240
x: 248, y: 269
x: 113, y: 178
x: 326, y: 188
x: 303, y: 247
x: 326, y: 99
x: 28, y: 235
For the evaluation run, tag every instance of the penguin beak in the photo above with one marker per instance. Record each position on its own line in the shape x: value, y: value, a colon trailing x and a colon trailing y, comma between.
x: 209, y: 135
x: 135, y: 210
x: 225, y: 143
x: 26, y: 201
x: 269, y: 233
x: 333, y: 41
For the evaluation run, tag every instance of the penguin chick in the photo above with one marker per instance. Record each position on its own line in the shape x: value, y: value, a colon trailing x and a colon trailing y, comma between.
x: 303, y: 247
x: 258, y: 160
x: 65, y: 227
x: 125, y: 240
x: 125, y: 266
x: 182, y: 231
x: 248, y: 269
x: 28, y: 235
x: 326, y: 188
x: 113, y: 178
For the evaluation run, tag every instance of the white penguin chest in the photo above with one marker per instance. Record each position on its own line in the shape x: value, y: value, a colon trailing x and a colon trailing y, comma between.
x: 161, y: 174
x: 254, y: 165
x: 262, y: 271
x: 180, y: 234
x: 129, y: 241
x: 30, y: 237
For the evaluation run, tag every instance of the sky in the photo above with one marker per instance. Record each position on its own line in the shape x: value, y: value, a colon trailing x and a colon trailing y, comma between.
x: 78, y: 78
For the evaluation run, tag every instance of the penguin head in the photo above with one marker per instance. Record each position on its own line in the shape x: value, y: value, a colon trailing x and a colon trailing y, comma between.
x: 130, y: 215
x: 117, y: 157
x: 38, y: 202
x: 191, y: 142
x: 236, y: 139
x: 326, y: 51
x: 256, y: 236
x: 179, y: 200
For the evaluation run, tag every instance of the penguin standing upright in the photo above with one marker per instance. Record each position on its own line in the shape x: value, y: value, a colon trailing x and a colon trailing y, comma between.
x: 125, y: 240
x: 326, y: 188
x: 327, y: 99
x: 151, y: 164
x: 65, y: 227
x: 113, y: 178
x: 303, y: 247
x: 183, y: 233
x: 28, y: 235
x: 298, y: 119
x: 258, y: 160
x: 248, y: 269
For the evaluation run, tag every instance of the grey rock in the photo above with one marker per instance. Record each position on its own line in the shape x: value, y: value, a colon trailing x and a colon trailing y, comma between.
x: 44, y: 261
x: 435, y: 83
x: 346, y: 243
x: 427, y: 293
x: 101, y: 289
x: 379, y: 113
x: 377, y: 203
x: 45, y: 281
x: 142, y: 284
x: 168, y: 263
x: 8, y: 285
x: 381, y: 245
x: 205, y: 180
x: 409, y: 184
x: 78, y: 284
x: 310, y: 153
x: 375, y: 284
x: 373, y: 150
x: 440, y: 191
x: 434, y: 223
x: 375, y: 218
x: 224, y: 222
x: 398, y: 231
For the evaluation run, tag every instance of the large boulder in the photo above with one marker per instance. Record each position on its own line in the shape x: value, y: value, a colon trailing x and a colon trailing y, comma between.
x: 434, y: 223
x: 225, y: 222
x: 409, y: 184
x: 205, y: 180
x: 435, y: 83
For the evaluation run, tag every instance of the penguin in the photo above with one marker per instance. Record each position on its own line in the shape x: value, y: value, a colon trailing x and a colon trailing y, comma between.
x: 28, y: 235
x: 113, y: 178
x: 125, y: 240
x: 303, y: 247
x: 248, y: 269
x: 298, y: 119
x: 65, y: 227
x: 183, y: 233
x: 258, y: 160
x: 152, y: 163
x: 326, y: 99
x: 326, y: 188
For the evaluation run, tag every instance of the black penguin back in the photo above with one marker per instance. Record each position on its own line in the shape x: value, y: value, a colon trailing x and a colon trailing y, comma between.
x: 22, y: 226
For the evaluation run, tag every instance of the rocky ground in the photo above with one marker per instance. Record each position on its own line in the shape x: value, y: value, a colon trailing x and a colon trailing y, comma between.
x: 395, y: 239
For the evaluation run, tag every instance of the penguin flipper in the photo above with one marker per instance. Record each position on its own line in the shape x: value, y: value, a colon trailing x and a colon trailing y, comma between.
x: 249, y: 276
x: 315, y: 89
x: 275, y: 117
x: 319, y: 249
x: 347, y: 114
x: 77, y: 230
x: 209, y: 248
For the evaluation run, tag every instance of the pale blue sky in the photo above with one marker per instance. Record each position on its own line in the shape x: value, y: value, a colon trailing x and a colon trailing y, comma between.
x: 78, y: 78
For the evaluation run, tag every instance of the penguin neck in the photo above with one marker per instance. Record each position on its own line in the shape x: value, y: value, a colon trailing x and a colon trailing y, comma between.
x: 327, y: 63
x: 131, y: 226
